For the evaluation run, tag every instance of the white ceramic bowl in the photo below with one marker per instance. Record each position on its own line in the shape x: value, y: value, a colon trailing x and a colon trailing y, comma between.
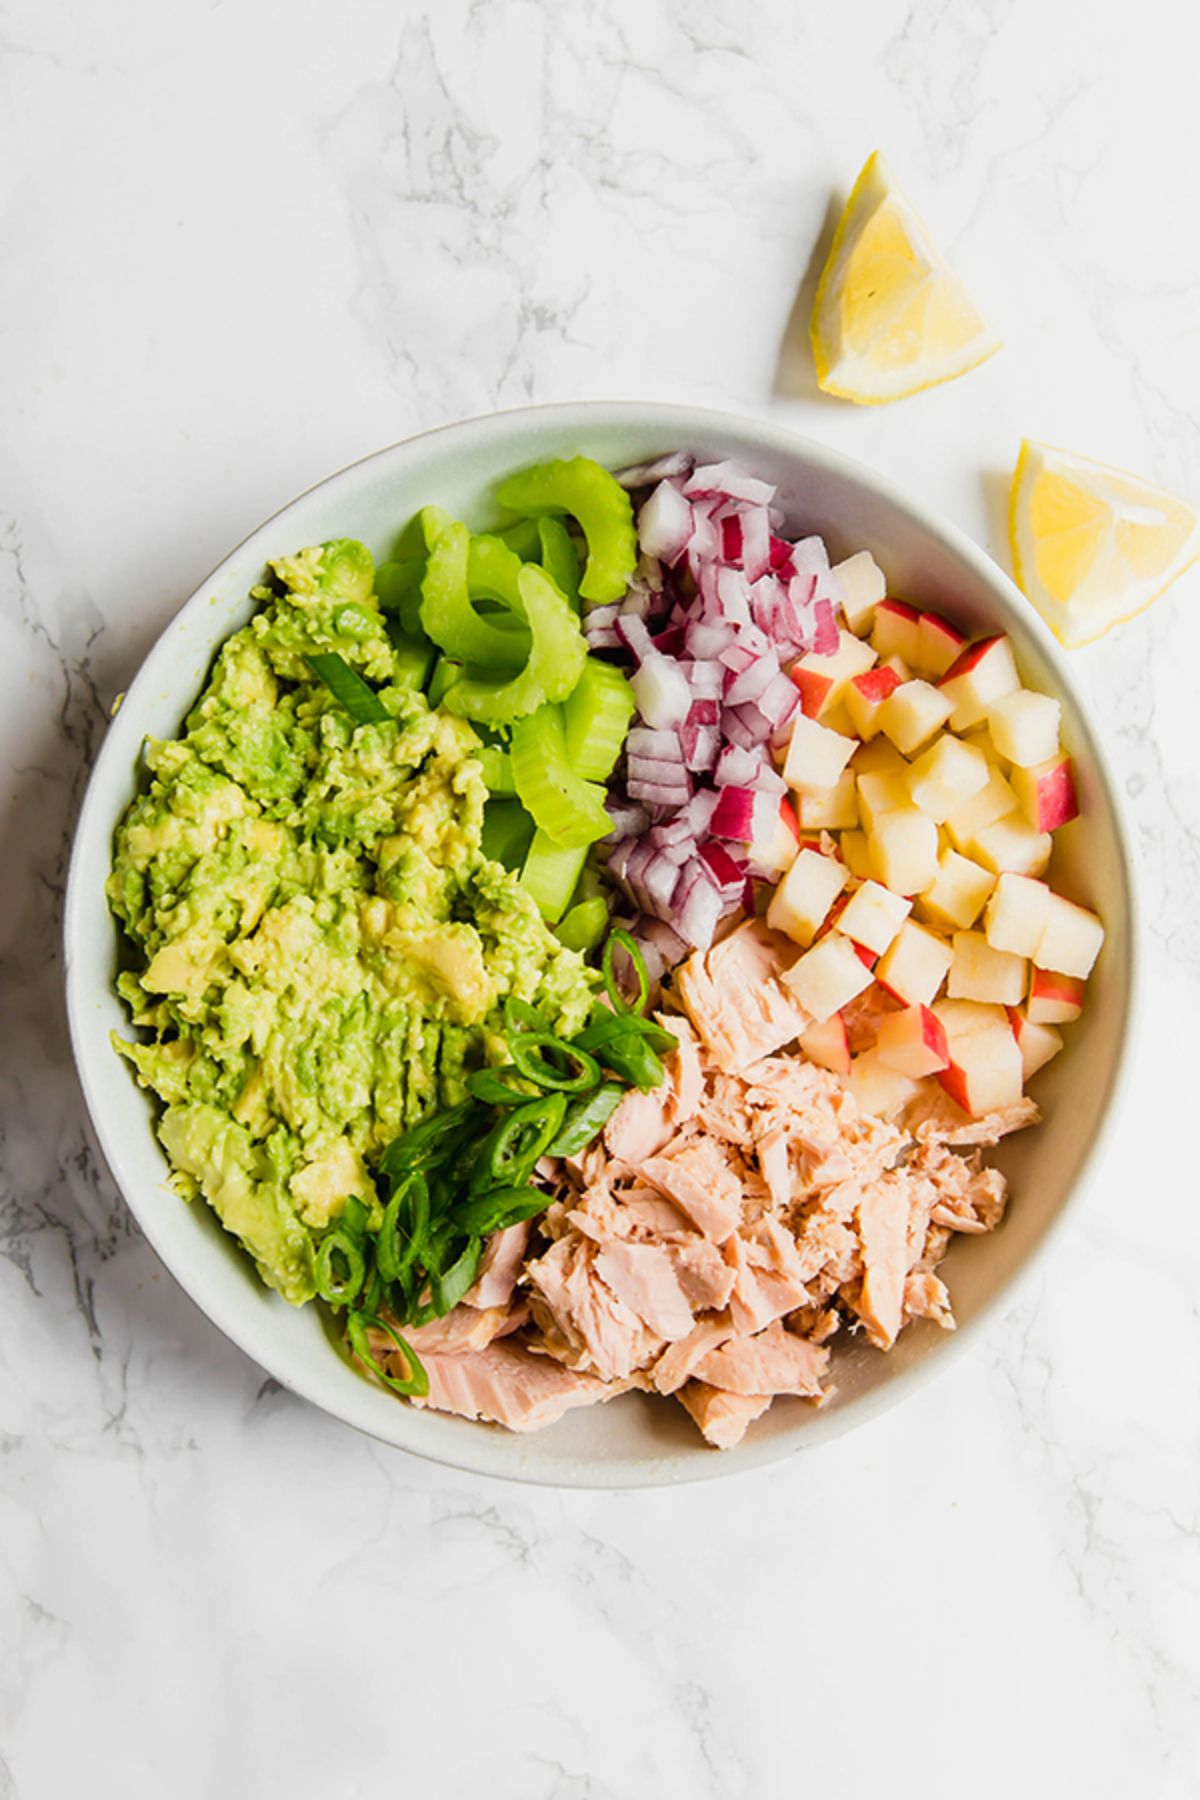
x: 633, y: 1441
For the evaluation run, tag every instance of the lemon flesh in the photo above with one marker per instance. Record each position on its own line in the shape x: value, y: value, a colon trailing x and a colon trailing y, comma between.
x: 1092, y: 545
x: 890, y: 316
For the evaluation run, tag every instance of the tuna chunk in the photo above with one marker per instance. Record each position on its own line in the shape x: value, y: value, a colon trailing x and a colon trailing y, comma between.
x: 509, y: 1385
x: 773, y: 1361
x: 642, y: 1276
x: 933, y: 1118
x: 722, y: 1417
x: 499, y: 1266
x: 465, y: 1328
x: 735, y: 1000
x: 883, y: 1229
x: 704, y: 1275
x: 925, y: 1297
x: 584, y: 1323
x: 769, y: 1274
x: 699, y: 1179
x: 644, y: 1123
x: 679, y: 1363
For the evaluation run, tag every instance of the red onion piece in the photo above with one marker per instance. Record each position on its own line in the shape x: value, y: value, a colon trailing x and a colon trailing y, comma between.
x: 664, y: 523
x: 729, y: 480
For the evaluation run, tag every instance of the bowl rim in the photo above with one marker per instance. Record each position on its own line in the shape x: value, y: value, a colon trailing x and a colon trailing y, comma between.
x: 676, y: 421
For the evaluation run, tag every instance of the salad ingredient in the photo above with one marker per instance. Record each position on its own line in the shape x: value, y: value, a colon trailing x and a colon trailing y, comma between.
x: 553, y: 666
x: 596, y: 716
x: 592, y: 496
x: 890, y: 315
x: 447, y: 613
x: 561, y: 803
x: 1092, y: 545
x: 550, y: 874
x: 349, y: 689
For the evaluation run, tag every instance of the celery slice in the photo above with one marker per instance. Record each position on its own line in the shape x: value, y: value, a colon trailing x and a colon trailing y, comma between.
x: 497, y: 770
x: 448, y: 616
x: 596, y: 717
x: 414, y: 657
x: 558, y: 556
x: 584, y: 926
x: 445, y: 673
x: 564, y: 806
x: 550, y: 874
x: 587, y: 492
x: 555, y: 661
x: 507, y: 832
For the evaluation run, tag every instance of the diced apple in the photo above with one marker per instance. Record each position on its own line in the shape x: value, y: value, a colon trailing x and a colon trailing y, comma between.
x: 827, y: 1045
x: 806, y: 893
x: 1070, y: 940
x: 879, y: 757
x: 873, y: 915
x: 946, y: 776
x: 864, y: 698
x: 1024, y: 726
x: 832, y: 809
x: 914, y: 965
x: 904, y: 849
x: 985, y: 1072
x: 881, y: 793
x: 863, y: 586
x: 1054, y: 999
x: 939, y: 644
x: 980, y: 676
x: 913, y: 1041
x: 839, y: 720
x: 827, y: 977
x: 1016, y: 914
x: 1012, y: 844
x: 958, y: 892
x: 775, y: 850
x: 896, y: 630
x: 995, y: 800
x: 912, y: 714
x: 967, y: 1018
x: 878, y: 1088
x: 978, y: 972
x: 816, y: 756
x: 822, y: 680
x: 1037, y: 1043
x: 856, y: 853
x: 1046, y: 793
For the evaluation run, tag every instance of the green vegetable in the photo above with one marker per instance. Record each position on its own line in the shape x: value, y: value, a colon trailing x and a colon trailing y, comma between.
x: 497, y: 1087
x: 446, y: 1290
x: 554, y: 664
x: 448, y: 616
x: 609, y: 1028
x: 348, y: 688
x: 339, y: 1290
x: 519, y: 1015
x: 621, y: 939
x: 414, y: 657
x: 497, y: 769
x: 406, y: 1215
x: 597, y: 500
x: 357, y: 1325
x: 507, y: 832
x: 539, y: 1056
x: 585, y: 1117
x: 584, y: 925
x: 550, y: 873
x: 629, y: 1046
x: 398, y: 591
x: 425, y: 1143
x: 493, y: 573
x: 445, y: 673
x: 523, y: 539
x: 558, y: 556
x: 510, y: 1151
x: 596, y: 716
x: 566, y: 808
x: 501, y: 1208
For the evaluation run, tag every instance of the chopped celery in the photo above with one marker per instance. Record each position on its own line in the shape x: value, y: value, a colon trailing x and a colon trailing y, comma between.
x: 448, y: 616
x: 497, y: 769
x: 507, y: 832
x: 596, y: 717
x: 550, y: 874
x: 414, y: 657
x: 445, y: 673
x: 584, y: 926
x: 567, y: 808
x: 398, y: 590
x: 558, y: 556
x: 590, y: 494
x: 492, y: 571
x: 523, y: 539
x: 555, y: 661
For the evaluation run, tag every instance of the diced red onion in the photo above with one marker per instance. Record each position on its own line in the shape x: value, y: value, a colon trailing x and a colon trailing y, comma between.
x: 661, y: 691
x: 731, y: 538
x: 734, y: 814
x: 777, y: 701
x: 754, y: 681
x: 768, y: 780
x: 706, y: 679
x: 731, y: 480
x: 756, y: 542
x: 675, y: 466
x: 664, y: 523
x: 723, y: 870
x: 634, y: 633
x: 643, y: 742
x: 737, y: 766
x: 660, y: 937
x: 706, y: 639
x: 699, y: 915
x: 627, y: 821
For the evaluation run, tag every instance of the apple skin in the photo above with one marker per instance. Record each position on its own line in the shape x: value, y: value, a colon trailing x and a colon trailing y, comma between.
x: 876, y: 684
x: 972, y: 656
x: 813, y: 689
x: 1054, y: 999
x: 1049, y: 794
x: 827, y: 1044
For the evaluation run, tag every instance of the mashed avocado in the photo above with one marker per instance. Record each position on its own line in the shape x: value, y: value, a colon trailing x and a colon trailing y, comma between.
x: 320, y: 947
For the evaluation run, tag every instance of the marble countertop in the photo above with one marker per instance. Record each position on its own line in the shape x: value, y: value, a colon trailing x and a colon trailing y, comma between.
x: 237, y: 253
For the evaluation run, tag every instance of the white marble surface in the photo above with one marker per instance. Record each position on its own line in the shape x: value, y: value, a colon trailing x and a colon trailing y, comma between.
x: 242, y: 245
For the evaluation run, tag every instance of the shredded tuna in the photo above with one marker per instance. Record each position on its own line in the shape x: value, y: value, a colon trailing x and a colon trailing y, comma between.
x: 723, y: 1418
x: 510, y: 1385
x: 499, y: 1267
x: 735, y: 1000
x: 773, y: 1361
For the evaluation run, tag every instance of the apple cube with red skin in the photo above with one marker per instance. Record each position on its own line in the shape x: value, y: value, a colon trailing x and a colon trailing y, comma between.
x: 864, y: 698
x: 816, y: 756
x: 896, y: 630
x: 1071, y: 939
x: 914, y: 1041
x: 983, y: 674
x: 903, y: 848
x: 985, y: 1072
x: 979, y: 972
x: 1054, y: 999
x: 775, y: 850
x: 1024, y: 727
x: 1038, y: 1044
x: 878, y: 1087
x: 827, y: 977
x: 1046, y: 793
x: 873, y: 915
x: 966, y: 1018
x: 832, y: 809
x: 914, y: 965
x: 1013, y: 845
x: 912, y: 713
x: 1016, y: 914
x: 956, y: 897
x: 862, y: 586
x: 995, y: 800
x: 827, y: 1045
x: 939, y: 644
x: 803, y: 898
x: 822, y: 680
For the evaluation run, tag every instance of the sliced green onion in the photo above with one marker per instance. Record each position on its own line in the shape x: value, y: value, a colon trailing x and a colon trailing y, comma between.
x: 406, y: 1214
x: 535, y: 1053
x: 343, y: 1290
x: 509, y: 1152
x: 507, y: 833
x: 583, y: 926
x: 610, y: 1028
x: 563, y: 805
x: 426, y: 1143
x: 596, y: 716
x: 584, y: 1118
x: 590, y: 494
x: 495, y: 1087
x: 550, y: 873
x: 348, y: 688
x: 620, y: 939
x: 556, y: 657
x: 500, y: 1208
x: 354, y: 1216
x: 357, y: 1326
x: 447, y: 1290
x: 519, y: 1015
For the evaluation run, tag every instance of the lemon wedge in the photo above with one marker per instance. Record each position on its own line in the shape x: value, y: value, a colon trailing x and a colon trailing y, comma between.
x: 890, y: 317
x: 1092, y: 545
